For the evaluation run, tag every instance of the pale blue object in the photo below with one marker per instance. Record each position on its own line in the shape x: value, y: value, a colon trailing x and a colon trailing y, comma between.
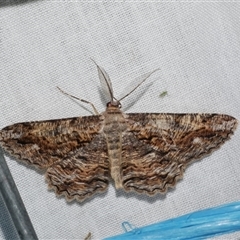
x: 197, y: 225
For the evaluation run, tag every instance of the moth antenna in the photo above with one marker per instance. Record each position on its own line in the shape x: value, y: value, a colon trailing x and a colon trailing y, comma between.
x: 79, y: 99
x: 104, y: 78
x: 139, y: 84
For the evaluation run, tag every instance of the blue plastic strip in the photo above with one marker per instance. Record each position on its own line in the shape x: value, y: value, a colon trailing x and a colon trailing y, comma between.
x: 197, y: 225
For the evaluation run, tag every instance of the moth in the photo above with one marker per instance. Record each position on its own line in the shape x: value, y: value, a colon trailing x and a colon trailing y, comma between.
x: 142, y: 152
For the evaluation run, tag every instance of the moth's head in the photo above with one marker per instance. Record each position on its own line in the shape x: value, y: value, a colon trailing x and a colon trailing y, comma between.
x: 114, y: 104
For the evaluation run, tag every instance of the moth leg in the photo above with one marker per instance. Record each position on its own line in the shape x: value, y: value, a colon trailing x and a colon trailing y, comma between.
x: 79, y: 99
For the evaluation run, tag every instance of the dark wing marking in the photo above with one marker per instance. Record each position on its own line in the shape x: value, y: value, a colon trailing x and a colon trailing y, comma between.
x: 158, y: 147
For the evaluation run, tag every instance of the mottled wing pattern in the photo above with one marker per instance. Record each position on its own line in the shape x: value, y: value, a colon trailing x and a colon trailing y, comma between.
x: 72, y: 151
x: 83, y: 173
x: 156, y: 148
